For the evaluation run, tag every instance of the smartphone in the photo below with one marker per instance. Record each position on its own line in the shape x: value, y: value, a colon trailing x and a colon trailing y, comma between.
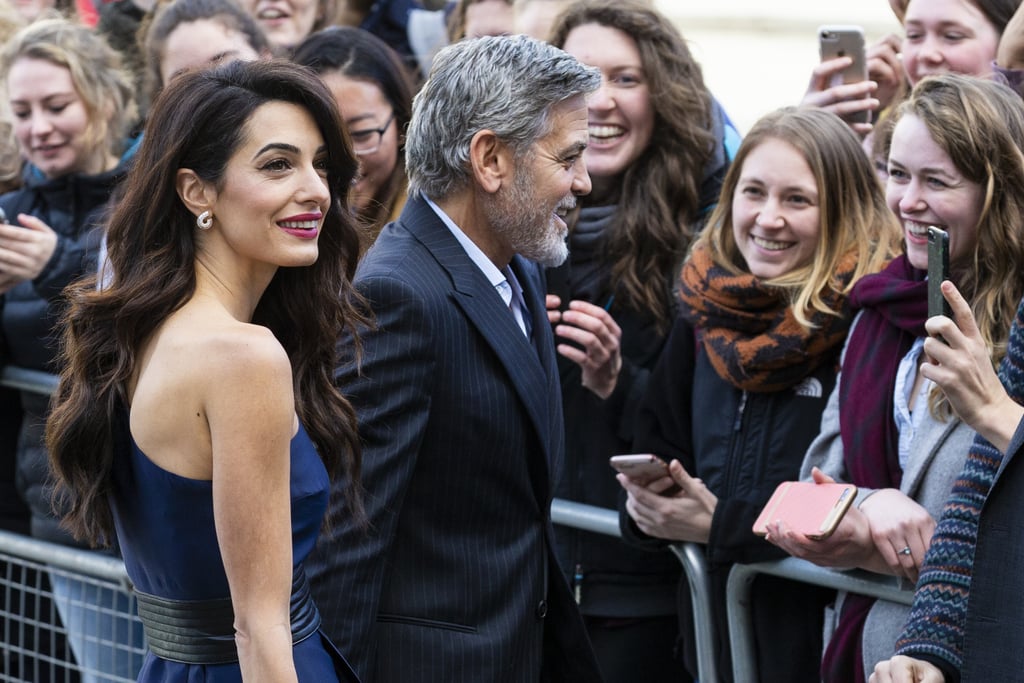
x: 808, y: 508
x: 643, y: 467
x: 3, y: 216
x: 846, y: 41
x: 938, y: 270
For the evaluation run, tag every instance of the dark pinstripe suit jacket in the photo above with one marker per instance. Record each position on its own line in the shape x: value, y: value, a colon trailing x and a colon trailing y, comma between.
x: 461, y: 421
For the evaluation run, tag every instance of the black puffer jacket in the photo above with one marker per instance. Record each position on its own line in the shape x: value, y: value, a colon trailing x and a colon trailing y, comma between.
x: 74, y: 207
x: 742, y: 445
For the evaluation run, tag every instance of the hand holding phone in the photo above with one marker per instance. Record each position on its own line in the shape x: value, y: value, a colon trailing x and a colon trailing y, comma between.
x: 642, y: 467
x: 812, y: 509
x: 836, y: 41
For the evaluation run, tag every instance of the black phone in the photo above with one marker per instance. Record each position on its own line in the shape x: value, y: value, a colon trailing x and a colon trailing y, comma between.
x: 938, y: 270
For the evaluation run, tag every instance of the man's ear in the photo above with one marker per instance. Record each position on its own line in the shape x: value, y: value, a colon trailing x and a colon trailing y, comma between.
x: 195, y: 193
x: 492, y: 161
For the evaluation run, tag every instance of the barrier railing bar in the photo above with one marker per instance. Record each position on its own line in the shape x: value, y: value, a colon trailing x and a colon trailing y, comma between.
x: 690, y: 555
x: 741, y: 578
x: 63, y: 557
x: 28, y: 380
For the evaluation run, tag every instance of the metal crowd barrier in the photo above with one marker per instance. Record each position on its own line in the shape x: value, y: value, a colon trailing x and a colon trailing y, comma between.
x: 66, y: 614
x: 33, y: 639
x: 53, y: 597
x: 690, y: 555
x: 741, y: 579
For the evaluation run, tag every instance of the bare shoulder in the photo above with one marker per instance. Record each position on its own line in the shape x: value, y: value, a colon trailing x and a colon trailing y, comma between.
x: 239, y: 350
x: 242, y: 373
x: 202, y: 375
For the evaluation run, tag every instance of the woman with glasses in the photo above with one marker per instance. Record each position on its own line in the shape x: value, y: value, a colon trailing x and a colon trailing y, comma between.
x: 374, y: 93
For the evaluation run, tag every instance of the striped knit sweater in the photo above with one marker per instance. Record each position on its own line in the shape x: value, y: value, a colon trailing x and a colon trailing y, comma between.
x: 935, y: 627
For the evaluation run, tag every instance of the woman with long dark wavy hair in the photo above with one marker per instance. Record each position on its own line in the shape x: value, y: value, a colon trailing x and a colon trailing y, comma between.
x: 197, y: 423
x: 659, y: 146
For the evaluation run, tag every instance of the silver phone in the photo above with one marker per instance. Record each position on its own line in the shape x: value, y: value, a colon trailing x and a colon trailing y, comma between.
x: 836, y: 40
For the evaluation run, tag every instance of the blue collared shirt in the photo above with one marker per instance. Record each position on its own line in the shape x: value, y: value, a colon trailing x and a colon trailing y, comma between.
x: 496, y: 277
x: 907, y: 422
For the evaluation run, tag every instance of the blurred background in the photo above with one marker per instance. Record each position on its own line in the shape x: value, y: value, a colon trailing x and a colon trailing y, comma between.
x: 758, y: 55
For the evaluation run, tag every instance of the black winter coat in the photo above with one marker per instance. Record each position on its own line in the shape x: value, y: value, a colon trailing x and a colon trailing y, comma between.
x: 74, y: 206
x: 742, y: 445
x: 611, y: 579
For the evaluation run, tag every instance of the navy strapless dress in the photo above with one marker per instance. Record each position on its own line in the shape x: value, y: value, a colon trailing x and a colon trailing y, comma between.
x: 166, y: 534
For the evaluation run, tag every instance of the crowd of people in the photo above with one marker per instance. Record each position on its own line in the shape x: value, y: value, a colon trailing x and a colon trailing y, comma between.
x: 341, y: 294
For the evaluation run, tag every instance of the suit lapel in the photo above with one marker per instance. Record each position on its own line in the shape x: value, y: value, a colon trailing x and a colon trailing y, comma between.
x: 487, y: 312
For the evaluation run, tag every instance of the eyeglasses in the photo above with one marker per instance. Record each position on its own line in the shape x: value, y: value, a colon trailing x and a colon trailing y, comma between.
x: 367, y: 140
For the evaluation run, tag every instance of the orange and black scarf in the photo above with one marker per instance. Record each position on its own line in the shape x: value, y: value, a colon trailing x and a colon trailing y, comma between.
x: 749, y: 331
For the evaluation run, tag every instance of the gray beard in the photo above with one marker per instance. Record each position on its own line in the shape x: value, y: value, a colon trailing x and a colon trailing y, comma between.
x: 529, y: 228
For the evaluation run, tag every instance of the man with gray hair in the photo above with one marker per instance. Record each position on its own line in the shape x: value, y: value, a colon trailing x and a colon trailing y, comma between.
x: 453, y: 577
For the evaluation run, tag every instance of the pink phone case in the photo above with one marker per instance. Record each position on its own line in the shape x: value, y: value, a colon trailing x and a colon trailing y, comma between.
x: 808, y: 508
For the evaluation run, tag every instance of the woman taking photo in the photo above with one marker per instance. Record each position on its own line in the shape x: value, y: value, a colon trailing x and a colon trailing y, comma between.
x: 951, y: 36
x: 196, y: 422
x: 954, y: 163
x: 737, y: 395
x: 374, y: 91
x: 656, y: 164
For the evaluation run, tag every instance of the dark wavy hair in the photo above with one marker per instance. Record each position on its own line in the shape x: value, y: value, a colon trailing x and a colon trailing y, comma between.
x: 198, y: 122
x: 660, y: 192
x: 356, y: 53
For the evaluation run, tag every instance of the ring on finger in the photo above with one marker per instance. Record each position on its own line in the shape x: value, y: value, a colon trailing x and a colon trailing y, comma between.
x: 905, y: 551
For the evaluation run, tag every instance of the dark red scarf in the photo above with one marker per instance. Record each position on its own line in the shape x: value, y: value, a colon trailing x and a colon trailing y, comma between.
x: 894, y: 305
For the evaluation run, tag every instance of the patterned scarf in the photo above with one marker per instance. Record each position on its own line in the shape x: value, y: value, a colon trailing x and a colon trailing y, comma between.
x: 749, y: 331
x: 895, y: 307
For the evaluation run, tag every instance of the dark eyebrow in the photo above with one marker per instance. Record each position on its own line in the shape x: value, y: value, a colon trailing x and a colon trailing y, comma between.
x: 284, y: 147
x: 212, y: 60
x: 927, y: 170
